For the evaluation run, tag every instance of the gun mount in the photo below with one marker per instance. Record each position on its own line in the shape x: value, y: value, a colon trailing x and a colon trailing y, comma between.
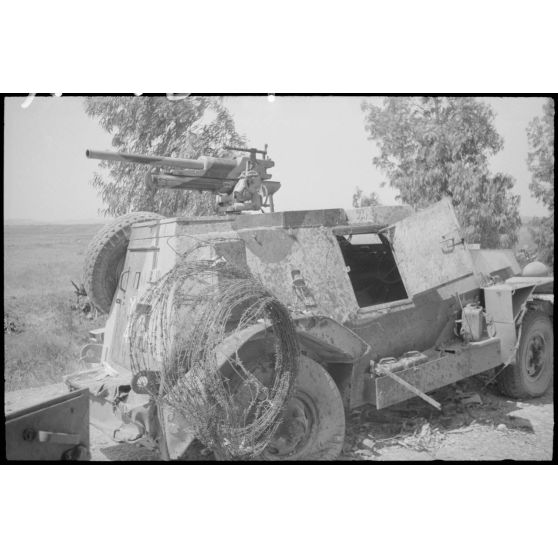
x: 241, y: 183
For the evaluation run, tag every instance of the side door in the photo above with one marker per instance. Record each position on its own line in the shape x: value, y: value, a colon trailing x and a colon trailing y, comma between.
x: 430, y: 252
x: 138, y: 271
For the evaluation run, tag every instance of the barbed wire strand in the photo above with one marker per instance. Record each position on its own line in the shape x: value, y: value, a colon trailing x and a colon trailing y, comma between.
x: 183, y: 331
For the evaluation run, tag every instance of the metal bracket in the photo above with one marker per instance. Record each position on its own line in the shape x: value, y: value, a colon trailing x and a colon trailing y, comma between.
x: 58, y: 438
x: 449, y: 244
x: 145, y: 249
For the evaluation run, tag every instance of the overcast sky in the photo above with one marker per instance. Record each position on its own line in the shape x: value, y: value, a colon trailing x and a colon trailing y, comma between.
x: 318, y: 144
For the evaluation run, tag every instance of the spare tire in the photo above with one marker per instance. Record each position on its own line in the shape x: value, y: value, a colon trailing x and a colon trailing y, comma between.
x: 105, y: 258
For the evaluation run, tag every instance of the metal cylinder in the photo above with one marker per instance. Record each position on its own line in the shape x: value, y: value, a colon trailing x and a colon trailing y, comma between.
x: 146, y: 159
x: 412, y: 358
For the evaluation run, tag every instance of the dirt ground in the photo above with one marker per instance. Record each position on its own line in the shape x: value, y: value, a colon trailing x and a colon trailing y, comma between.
x: 476, y: 423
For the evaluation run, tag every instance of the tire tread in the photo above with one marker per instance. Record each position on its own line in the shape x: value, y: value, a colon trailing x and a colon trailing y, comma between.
x: 104, y: 251
x: 510, y: 380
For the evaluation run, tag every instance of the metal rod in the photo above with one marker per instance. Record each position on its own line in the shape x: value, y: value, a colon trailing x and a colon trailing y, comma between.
x: 413, y: 389
x: 201, y: 176
x: 245, y: 149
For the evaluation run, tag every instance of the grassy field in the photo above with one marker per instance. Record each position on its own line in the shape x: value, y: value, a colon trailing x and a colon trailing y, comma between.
x: 39, y: 262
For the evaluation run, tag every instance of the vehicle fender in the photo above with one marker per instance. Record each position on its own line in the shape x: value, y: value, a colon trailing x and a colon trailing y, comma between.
x: 543, y: 303
x: 507, y: 303
x: 320, y: 337
x: 330, y: 341
x: 343, y: 354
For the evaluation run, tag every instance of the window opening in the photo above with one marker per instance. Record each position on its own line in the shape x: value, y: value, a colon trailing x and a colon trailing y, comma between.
x: 372, y: 269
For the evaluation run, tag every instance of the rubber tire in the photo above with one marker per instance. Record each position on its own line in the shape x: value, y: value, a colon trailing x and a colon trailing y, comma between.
x: 326, y: 440
x: 105, y: 257
x: 514, y: 381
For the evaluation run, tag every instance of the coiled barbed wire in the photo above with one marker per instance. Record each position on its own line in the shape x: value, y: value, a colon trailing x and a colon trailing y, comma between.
x: 185, y: 331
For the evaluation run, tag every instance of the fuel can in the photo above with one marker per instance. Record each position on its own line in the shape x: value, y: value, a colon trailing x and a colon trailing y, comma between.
x: 472, y: 322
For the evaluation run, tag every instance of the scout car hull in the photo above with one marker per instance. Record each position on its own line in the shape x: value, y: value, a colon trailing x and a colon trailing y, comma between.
x: 361, y: 285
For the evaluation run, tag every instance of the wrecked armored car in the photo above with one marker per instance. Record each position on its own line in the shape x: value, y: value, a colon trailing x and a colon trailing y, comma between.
x: 388, y: 304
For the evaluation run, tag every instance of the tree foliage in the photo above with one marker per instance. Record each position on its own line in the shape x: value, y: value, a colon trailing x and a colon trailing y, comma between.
x: 360, y: 199
x: 432, y: 147
x: 185, y: 127
x: 540, y: 160
x: 542, y: 231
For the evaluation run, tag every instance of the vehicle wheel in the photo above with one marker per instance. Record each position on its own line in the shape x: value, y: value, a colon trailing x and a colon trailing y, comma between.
x: 531, y: 375
x: 105, y: 258
x: 313, y: 424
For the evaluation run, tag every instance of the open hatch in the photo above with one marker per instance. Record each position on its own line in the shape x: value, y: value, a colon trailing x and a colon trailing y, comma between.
x: 419, y: 253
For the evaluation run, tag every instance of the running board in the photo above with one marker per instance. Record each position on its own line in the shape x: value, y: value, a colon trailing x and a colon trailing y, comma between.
x: 444, y: 369
x: 413, y: 389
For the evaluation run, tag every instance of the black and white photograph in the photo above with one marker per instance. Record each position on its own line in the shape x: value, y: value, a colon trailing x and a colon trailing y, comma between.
x: 278, y: 278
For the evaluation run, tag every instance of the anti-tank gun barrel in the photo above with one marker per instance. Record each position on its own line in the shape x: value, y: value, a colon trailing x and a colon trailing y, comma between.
x: 145, y: 159
x: 241, y: 182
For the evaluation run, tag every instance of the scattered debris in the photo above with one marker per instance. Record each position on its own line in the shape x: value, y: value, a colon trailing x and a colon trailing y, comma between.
x: 424, y: 439
x: 467, y: 408
x: 12, y: 324
x: 464, y: 429
x: 82, y: 303
x: 471, y: 399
